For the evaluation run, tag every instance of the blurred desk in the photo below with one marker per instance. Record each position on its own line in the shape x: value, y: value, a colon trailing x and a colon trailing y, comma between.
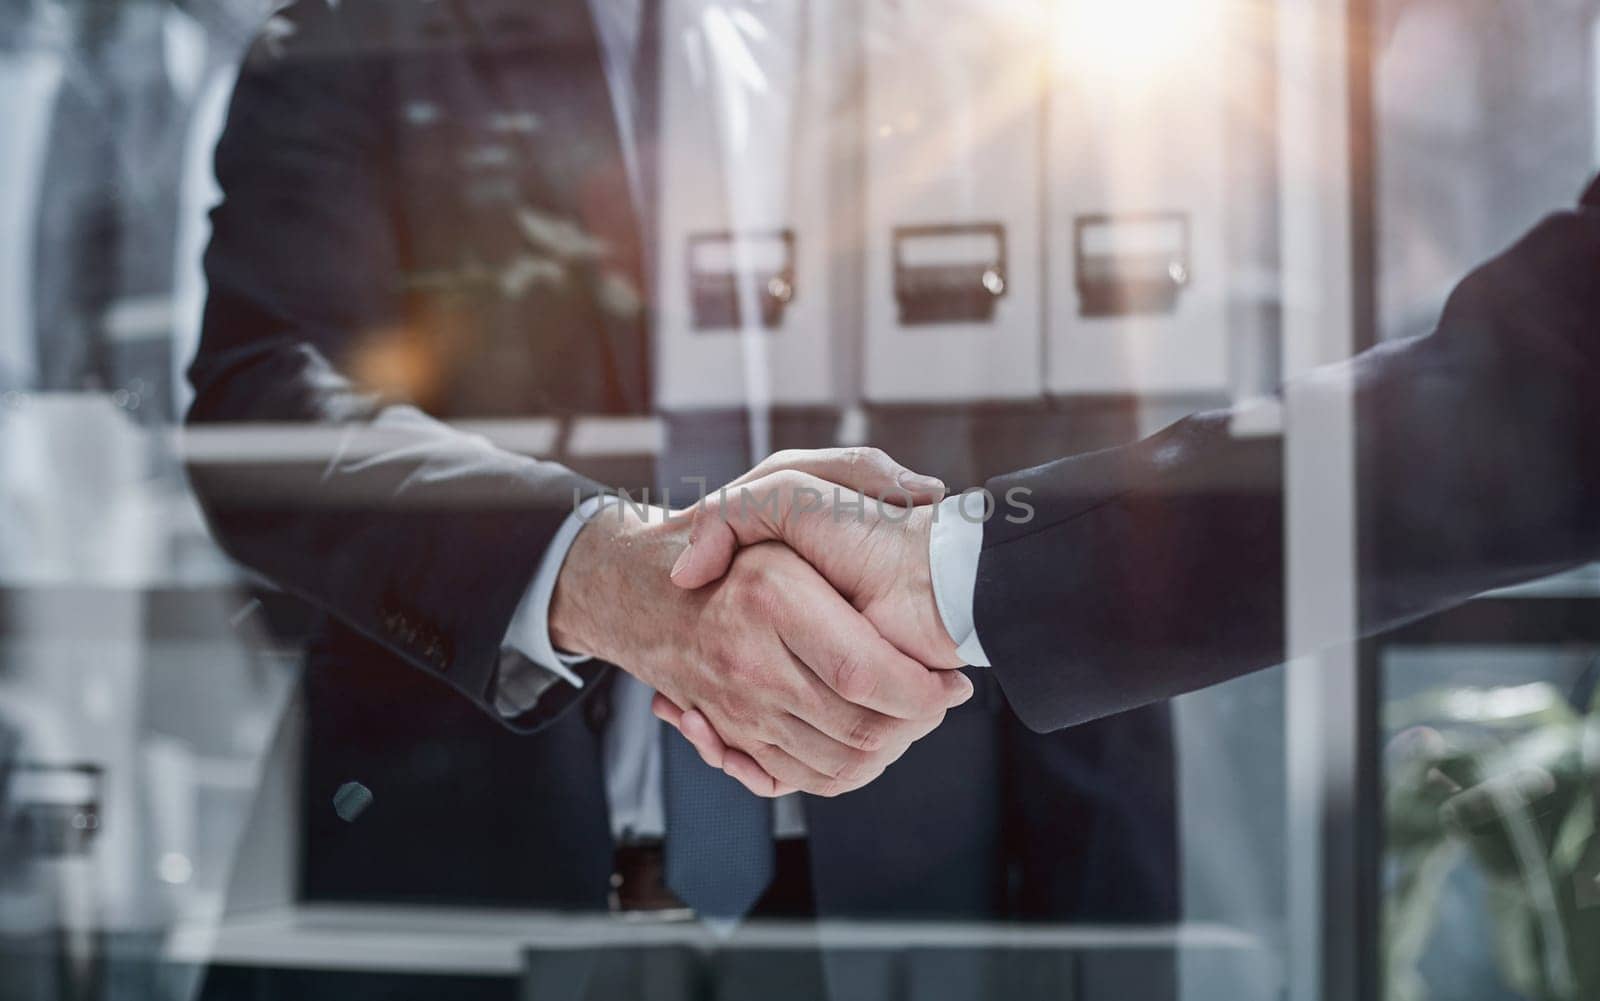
x: 414, y: 941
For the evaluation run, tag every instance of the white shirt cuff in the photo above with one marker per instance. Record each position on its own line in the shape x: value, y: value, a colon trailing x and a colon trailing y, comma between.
x: 529, y: 632
x: 954, y: 546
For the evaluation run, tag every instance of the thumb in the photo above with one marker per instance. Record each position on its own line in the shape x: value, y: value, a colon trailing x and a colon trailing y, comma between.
x: 865, y: 470
x: 738, y: 516
x: 735, y: 516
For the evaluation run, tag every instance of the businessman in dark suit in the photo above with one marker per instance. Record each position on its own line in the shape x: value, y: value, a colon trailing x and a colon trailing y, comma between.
x: 430, y: 209
x: 1106, y: 581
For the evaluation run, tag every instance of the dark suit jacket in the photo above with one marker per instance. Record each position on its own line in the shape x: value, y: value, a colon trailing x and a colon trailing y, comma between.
x: 1157, y: 568
x: 388, y: 171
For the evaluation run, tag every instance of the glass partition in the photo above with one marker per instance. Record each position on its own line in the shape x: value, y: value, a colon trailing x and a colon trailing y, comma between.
x: 1484, y: 124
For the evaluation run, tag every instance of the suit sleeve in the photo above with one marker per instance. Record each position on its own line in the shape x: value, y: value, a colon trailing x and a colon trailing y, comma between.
x: 1155, y: 569
x: 421, y: 537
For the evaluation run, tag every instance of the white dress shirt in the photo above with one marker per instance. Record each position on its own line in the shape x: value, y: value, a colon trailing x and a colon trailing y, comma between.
x: 953, y: 550
x: 631, y: 746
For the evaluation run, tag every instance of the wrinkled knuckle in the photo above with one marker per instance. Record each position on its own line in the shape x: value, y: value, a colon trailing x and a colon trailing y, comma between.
x: 854, y: 678
x: 704, y: 519
x: 758, y: 595
x: 854, y: 767
x: 868, y: 734
x: 760, y: 725
x: 772, y: 762
x: 787, y: 481
x: 724, y: 662
x: 857, y: 458
x: 738, y: 710
x: 746, y: 574
x: 901, y: 734
x: 833, y: 787
x: 933, y: 703
x: 742, y: 575
x: 874, y: 458
x: 747, y: 589
x: 752, y: 693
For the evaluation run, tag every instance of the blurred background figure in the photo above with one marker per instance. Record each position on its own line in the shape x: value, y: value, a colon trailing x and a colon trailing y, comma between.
x: 127, y: 702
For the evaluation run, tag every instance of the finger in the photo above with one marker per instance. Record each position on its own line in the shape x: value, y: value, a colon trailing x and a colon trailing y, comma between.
x: 831, y: 757
x: 754, y: 777
x: 665, y: 709
x: 836, y: 758
x: 699, y: 732
x: 843, y: 722
x: 864, y: 469
x: 711, y: 752
x: 744, y: 514
x: 843, y: 649
x: 757, y: 506
x: 777, y: 773
x: 824, y: 711
x: 788, y: 772
x: 694, y: 728
x: 743, y: 768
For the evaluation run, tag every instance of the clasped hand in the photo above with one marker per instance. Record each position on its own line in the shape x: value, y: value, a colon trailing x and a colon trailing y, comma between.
x: 787, y: 623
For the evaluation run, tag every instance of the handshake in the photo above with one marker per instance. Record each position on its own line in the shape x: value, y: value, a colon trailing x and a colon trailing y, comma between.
x: 788, y: 622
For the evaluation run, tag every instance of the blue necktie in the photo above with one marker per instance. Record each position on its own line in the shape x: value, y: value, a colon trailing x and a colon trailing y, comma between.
x: 719, y: 856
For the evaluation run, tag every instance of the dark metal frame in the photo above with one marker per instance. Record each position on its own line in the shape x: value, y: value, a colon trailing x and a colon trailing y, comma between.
x: 1365, y: 928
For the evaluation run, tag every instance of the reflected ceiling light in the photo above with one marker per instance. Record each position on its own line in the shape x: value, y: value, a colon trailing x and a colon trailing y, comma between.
x: 1132, y: 39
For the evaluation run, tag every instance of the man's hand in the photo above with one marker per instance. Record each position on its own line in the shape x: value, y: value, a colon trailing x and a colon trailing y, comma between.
x: 875, y: 555
x: 771, y: 656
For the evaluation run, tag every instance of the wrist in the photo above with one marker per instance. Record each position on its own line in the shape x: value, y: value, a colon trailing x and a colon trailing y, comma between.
x: 572, y: 628
x: 614, y: 569
x: 906, y: 608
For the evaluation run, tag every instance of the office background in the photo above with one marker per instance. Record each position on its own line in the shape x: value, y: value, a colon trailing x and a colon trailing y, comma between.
x: 1101, y: 245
